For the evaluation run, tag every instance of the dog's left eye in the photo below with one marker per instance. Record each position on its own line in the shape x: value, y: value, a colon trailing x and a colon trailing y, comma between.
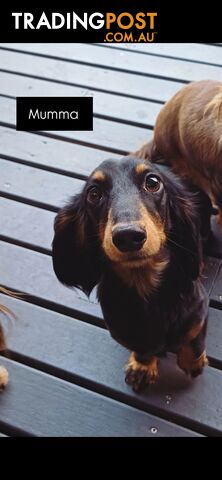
x: 152, y: 183
x: 94, y: 195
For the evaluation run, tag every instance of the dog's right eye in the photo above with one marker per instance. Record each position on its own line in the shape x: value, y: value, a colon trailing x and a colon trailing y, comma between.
x: 94, y: 195
x: 153, y: 183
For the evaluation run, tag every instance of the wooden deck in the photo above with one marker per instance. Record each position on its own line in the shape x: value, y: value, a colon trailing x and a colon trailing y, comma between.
x: 66, y: 373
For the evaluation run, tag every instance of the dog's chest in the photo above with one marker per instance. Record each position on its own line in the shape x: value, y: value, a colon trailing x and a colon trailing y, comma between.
x: 155, y: 325
x: 140, y: 325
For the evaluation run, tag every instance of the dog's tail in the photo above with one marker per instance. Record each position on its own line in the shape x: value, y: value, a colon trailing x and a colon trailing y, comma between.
x: 7, y: 312
x: 10, y: 293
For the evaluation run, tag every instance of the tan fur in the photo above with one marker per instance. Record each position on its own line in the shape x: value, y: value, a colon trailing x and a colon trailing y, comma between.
x: 194, y: 331
x: 105, y: 233
x: 155, y: 239
x: 141, y: 168
x: 6, y: 311
x: 150, y: 368
x: 145, y: 271
x: 144, y: 279
x: 214, y: 107
x: 188, y: 134
x: 3, y: 377
x: 98, y: 175
x: 2, y: 339
x: 3, y: 371
x: 187, y: 361
x: 6, y: 291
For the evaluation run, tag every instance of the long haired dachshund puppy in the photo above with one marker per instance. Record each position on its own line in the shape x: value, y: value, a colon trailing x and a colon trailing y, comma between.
x: 188, y: 134
x: 134, y: 231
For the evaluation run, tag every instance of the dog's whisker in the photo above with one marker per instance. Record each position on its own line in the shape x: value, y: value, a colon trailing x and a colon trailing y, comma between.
x: 180, y: 246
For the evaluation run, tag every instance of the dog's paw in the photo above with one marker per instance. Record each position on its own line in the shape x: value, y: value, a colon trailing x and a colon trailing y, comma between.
x: 192, y: 366
x: 139, y: 375
x: 3, y: 377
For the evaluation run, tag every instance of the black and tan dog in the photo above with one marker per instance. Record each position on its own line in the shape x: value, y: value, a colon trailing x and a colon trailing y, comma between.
x: 135, y: 232
x: 188, y: 135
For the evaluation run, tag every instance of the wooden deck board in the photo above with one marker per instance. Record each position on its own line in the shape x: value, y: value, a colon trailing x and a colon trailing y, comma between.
x: 66, y: 372
x: 123, y: 61
x: 72, y: 346
x: 128, y: 84
x: 42, y: 187
x: 105, y: 133
x: 47, y: 153
x: 217, y: 290
x: 200, y: 53
x: 215, y: 244
x: 26, y: 223
x: 42, y: 263
x: 20, y: 221
x: 38, y: 280
x: 120, y: 108
x: 31, y: 332
x: 42, y: 405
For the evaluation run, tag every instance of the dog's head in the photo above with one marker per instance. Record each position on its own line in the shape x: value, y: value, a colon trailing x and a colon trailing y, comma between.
x: 131, y: 214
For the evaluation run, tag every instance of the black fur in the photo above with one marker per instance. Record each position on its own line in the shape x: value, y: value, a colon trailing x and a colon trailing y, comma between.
x: 76, y: 262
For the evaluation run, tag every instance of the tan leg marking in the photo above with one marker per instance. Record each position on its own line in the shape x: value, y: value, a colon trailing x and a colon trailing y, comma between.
x: 187, y: 361
x: 186, y: 358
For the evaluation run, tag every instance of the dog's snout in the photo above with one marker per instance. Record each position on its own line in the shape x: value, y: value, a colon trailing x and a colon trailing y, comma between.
x: 129, y: 238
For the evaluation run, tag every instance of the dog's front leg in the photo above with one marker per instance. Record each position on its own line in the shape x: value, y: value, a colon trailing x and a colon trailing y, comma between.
x: 141, y: 370
x: 191, y: 356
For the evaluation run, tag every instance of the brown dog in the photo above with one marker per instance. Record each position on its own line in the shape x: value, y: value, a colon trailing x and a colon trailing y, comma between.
x: 188, y: 135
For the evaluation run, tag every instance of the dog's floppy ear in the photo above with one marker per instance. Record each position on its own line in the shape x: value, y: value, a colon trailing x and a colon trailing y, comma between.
x: 75, y: 248
x: 184, y: 229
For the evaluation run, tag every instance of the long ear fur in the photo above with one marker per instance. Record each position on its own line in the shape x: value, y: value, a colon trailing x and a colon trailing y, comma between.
x: 184, y: 228
x: 75, y: 247
x: 186, y: 234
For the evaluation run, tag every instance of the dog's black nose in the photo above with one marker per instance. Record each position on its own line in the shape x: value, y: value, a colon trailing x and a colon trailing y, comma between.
x: 129, y: 238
